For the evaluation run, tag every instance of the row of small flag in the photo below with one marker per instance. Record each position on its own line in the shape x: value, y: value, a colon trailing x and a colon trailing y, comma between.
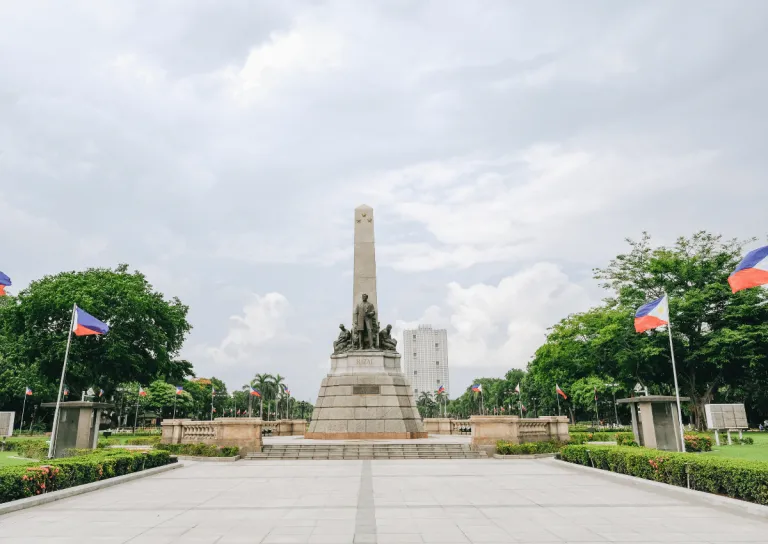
x: 29, y: 393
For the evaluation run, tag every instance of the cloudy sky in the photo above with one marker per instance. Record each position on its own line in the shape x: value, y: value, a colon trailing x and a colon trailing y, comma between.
x: 506, y: 147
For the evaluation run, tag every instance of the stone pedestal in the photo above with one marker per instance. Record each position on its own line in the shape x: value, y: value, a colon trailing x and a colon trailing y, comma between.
x: 438, y: 425
x: 365, y: 396
x: 78, y: 425
x: 487, y: 430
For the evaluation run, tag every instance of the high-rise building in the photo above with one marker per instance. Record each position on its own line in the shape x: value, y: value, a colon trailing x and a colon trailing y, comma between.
x: 425, y: 358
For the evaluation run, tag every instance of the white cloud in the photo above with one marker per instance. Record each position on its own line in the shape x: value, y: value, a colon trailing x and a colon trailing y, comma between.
x: 529, y: 205
x: 502, y: 325
x: 263, y: 323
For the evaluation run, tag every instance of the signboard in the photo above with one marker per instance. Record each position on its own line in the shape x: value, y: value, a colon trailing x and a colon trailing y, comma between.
x: 6, y: 423
x: 726, y: 416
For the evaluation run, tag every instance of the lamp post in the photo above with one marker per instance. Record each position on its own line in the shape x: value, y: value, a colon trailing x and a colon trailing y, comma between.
x: 613, y: 387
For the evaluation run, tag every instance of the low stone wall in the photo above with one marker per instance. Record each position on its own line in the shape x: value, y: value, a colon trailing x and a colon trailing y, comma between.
x: 487, y: 430
x: 438, y: 425
x: 244, y: 433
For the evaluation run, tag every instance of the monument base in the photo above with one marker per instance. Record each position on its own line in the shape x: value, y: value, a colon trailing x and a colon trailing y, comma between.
x: 366, y: 397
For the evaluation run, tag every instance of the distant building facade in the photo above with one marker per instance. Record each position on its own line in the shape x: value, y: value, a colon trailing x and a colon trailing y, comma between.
x: 425, y: 358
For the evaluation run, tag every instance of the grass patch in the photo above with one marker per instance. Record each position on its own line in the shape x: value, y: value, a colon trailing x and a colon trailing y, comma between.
x: 7, y: 459
x: 755, y: 452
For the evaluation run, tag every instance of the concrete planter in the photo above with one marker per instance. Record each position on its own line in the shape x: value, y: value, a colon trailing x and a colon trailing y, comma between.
x: 533, y: 456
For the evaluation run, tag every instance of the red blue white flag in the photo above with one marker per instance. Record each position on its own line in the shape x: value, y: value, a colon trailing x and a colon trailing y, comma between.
x: 517, y: 389
x: 85, y: 324
x: 179, y: 390
x: 5, y: 281
x: 441, y: 389
x: 142, y: 393
x: 477, y: 387
x: 28, y: 392
x: 560, y: 392
x: 652, y: 315
x: 752, y: 270
x: 255, y: 392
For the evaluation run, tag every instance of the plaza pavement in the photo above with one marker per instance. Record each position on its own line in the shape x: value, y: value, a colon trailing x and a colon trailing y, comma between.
x: 443, y: 501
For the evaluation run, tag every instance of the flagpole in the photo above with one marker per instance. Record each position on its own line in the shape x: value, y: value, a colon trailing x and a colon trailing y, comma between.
x: 174, y: 404
x: 557, y: 396
x: 674, y: 374
x: 212, y: 390
x: 52, y: 446
x: 597, y: 414
x: 23, y: 407
x: 136, y: 417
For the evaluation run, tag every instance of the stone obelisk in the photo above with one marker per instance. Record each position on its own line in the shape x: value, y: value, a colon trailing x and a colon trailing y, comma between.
x: 365, y: 395
x: 364, y: 280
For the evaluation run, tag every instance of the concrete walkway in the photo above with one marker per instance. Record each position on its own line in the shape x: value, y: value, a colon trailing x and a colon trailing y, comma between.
x: 341, y: 502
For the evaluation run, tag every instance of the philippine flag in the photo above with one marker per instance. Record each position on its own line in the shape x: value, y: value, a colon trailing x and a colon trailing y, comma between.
x: 441, y: 389
x: 101, y: 392
x: 287, y: 391
x: 142, y: 393
x: 255, y: 392
x: 28, y: 392
x: 5, y: 281
x: 179, y: 390
x: 517, y: 389
x: 751, y: 272
x: 85, y: 324
x: 560, y: 392
x: 652, y: 315
x: 477, y: 387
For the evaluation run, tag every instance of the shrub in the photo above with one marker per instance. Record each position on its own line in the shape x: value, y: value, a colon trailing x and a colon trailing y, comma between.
x: 626, y: 439
x: 528, y: 448
x: 746, y: 441
x: 31, y: 449
x: 581, y: 438
x: 583, y: 428
x: 143, y: 441
x: 736, y: 478
x: 18, y: 482
x: 697, y: 442
x: 199, y: 450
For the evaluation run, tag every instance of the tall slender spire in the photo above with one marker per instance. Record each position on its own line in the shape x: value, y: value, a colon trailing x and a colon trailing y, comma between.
x: 364, y: 280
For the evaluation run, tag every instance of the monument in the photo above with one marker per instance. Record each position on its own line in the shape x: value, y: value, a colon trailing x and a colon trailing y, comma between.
x: 365, y: 395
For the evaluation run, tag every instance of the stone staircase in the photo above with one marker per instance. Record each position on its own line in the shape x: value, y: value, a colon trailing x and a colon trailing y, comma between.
x: 367, y: 451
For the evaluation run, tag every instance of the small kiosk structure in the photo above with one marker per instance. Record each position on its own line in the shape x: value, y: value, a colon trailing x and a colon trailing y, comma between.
x: 78, y: 425
x: 654, y: 421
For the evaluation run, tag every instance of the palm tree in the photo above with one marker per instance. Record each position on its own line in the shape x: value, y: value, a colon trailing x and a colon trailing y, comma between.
x: 441, y: 398
x: 262, y: 382
x: 278, y: 382
x: 425, y: 404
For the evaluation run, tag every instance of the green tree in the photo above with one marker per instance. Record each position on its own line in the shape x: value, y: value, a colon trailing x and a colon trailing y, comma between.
x: 720, y: 338
x: 161, y: 397
x: 146, y: 330
x: 425, y: 404
x: 262, y: 382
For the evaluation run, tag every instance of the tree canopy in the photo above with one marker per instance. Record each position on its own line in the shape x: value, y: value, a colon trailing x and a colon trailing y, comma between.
x: 146, y: 333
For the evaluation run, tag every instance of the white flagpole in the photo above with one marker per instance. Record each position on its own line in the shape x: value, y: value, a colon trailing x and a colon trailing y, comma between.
x: 52, y: 446
x: 557, y: 396
x: 23, y: 407
x: 174, y: 404
x: 136, y: 417
x: 674, y: 374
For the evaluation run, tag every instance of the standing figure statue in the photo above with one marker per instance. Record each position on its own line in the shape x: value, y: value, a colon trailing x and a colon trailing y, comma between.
x: 364, y: 325
x: 386, y: 342
x: 344, y: 341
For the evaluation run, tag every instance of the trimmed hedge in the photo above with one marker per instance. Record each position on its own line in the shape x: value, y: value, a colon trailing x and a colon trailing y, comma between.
x: 736, y: 478
x: 582, y: 428
x: 528, y: 448
x: 199, y: 450
x: 581, y: 438
x: 18, y: 482
x: 697, y: 442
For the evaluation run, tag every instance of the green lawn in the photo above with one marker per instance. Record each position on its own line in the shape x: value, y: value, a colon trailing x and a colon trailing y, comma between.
x: 7, y: 460
x: 756, y: 452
